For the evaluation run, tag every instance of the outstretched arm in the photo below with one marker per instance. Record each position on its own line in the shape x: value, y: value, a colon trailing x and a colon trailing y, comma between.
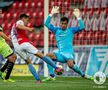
x: 81, y: 23
x: 47, y: 22
x: 20, y: 25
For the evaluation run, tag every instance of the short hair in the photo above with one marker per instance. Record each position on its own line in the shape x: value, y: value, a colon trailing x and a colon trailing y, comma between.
x: 64, y: 19
x: 23, y: 16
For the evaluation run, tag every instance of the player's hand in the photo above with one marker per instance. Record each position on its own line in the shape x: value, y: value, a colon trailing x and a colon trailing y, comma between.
x: 55, y: 10
x: 9, y: 37
x: 76, y: 12
x: 31, y: 29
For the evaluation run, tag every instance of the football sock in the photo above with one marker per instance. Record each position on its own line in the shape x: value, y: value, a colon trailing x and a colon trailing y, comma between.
x: 78, y: 70
x: 9, y: 69
x: 51, y: 70
x: 4, y: 67
x: 33, y: 71
x: 49, y: 61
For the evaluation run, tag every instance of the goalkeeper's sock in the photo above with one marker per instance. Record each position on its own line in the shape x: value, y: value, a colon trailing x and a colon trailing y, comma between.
x: 78, y: 70
x: 51, y: 70
x: 49, y: 61
x: 33, y: 71
x: 5, y: 66
x: 9, y: 69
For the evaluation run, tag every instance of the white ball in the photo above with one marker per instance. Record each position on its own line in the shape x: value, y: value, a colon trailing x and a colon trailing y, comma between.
x: 60, y: 73
x: 99, y: 78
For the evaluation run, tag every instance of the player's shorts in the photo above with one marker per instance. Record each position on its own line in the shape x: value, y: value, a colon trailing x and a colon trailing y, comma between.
x: 25, y: 49
x: 63, y: 57
x: 5, y: 50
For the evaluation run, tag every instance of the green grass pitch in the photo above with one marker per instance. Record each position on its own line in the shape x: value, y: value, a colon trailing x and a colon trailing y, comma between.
x: 61, y: 83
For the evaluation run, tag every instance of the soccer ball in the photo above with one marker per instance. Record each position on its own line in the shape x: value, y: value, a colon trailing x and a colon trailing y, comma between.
x: 99, y: 78
x: 59, y: 73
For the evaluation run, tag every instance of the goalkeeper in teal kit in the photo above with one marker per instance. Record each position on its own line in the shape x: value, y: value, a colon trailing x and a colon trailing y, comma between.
x: 64, y: 38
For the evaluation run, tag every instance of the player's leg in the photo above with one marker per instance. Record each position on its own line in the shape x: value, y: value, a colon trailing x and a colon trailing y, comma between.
x: 33, y: 70
x: 11, y: 58
x: 50, y: 69
x: 57, y: 57
x: 3, y: 68
x: 47, y: 59
x: 25, y: 56
x: 9, y: 68
x: 31, y: 49
x: 75, y: 67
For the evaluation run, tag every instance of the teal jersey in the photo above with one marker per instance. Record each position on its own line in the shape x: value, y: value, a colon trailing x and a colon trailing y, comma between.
x: 64, y: 38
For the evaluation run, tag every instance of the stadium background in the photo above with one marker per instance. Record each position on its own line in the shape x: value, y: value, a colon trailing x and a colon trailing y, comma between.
x: 91, y: 45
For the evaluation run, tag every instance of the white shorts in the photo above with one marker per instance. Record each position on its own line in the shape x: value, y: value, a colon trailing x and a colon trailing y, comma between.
x: 24, y: 50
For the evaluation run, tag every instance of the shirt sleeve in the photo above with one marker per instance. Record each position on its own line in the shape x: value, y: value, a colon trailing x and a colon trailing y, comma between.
x: 20, y: 22
x: 49, y: 25
x: 79, y: 28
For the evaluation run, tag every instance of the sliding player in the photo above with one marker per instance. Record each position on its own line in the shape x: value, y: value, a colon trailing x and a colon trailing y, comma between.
x: 64, y: 38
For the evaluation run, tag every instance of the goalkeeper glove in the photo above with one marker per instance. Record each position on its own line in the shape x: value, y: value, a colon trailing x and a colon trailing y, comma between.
x: 54, y: 10
x: 76, y: 12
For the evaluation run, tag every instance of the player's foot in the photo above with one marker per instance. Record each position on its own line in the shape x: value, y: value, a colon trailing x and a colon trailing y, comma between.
x: 49, y: 79
x: 8, y: 80
x: 2, y: 75
x: 59, y: 71
x: 88, y: 77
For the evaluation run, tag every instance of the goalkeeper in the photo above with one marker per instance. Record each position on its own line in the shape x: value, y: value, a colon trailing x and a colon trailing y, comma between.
x: 64, y: 38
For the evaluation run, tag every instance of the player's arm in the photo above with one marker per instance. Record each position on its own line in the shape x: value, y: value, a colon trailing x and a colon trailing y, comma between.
x: 22, y: 27
x: 4, y: 35
x: 47, y: 22
x: 80, y: 22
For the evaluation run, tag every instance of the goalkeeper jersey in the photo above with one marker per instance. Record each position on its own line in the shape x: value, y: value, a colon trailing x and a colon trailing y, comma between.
x: 64, y: 38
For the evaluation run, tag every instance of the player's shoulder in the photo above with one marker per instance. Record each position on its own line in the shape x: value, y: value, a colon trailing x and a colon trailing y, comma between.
x: 20, y: 22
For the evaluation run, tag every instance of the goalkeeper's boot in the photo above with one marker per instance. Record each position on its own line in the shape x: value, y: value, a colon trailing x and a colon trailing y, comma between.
x: 8, y: 80
x: 49, y: 79
x: 89, y: 77
x: 2, y: 75
x: 59, y: 70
